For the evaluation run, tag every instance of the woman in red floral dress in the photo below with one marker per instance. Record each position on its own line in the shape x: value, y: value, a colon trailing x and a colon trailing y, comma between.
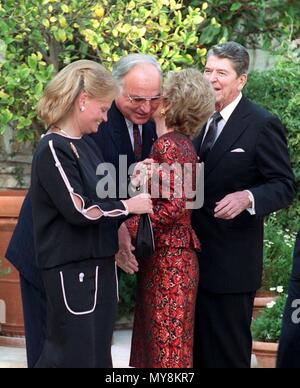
x: 167, y: 282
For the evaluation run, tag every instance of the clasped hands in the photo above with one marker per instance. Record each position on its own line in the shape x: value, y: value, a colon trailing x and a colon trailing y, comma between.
x: 143, y: 171
x: 125, y: 258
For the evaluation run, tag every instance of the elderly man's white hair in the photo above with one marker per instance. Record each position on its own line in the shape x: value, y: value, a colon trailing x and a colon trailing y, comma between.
x: 125, y: 64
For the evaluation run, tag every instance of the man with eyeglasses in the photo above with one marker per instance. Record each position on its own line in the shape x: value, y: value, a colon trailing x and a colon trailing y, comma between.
x: 129, y: 130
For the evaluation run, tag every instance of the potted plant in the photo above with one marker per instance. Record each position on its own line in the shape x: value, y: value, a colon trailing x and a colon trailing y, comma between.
x: 12, y: 315
x: 266, y: 332
x: 278, y: 253
x: 127, y: 286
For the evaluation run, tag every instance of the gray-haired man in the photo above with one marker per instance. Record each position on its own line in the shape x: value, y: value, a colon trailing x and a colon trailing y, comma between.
x: 129, y: 131
x: 248, y: 175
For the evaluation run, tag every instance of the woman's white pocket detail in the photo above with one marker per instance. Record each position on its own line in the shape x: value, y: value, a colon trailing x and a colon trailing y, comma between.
x: 81, y: 280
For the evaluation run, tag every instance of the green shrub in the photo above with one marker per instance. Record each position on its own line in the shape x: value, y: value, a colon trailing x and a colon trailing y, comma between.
x: 38, y: 37
x: 267, y: 326
x: 278, y: 90
x: 278, y: 254
x: 255, y: 23
x: 127, y: 285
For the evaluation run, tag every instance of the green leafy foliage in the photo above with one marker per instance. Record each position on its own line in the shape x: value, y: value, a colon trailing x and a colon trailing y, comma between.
x: 39, y: 37
x: 267, y: 326
x: 253, y: 23
x: 278, y: 254
x: 278, y: 90
x: 127, y: 286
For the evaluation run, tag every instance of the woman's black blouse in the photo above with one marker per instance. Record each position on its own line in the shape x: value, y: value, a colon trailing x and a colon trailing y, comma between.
x: 63, y: 233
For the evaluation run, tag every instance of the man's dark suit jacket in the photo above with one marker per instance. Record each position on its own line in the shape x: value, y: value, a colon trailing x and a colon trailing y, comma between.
x: 296, y: 263
x: 114, y: 140
x: 232, y: 251
x: 21, y: 252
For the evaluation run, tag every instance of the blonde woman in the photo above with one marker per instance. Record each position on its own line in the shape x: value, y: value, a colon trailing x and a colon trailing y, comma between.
x: 76, y: 232
x: 167, y: 282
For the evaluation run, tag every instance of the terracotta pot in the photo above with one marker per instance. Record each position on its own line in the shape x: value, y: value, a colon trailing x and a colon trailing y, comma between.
x: 260, y: 302
x: 266, y: 353
x: 11, y: 313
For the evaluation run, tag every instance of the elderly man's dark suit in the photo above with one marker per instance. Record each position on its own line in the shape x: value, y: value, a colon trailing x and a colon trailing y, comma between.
x: 289, y: 344
x: 232, y: 251
x: 113, y: 140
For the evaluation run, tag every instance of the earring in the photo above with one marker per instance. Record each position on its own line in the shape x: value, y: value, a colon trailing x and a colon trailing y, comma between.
x: 162, y: 112
x: 82, y: 109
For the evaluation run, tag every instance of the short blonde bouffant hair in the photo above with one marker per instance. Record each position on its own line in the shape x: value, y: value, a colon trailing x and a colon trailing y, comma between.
x: 189, y: 101
x: 81, y: 76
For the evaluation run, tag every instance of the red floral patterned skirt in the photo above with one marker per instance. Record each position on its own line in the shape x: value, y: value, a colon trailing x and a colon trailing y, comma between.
x: 165, y: 308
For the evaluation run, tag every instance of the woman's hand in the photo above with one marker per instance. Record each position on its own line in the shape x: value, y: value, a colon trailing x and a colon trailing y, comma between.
x: 125, y: 258
x: 141, y: 204
x: 127, y: 263
x: 142, y: 173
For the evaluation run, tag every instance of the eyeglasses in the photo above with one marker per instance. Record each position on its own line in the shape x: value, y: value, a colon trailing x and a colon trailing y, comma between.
x: 138, y: 101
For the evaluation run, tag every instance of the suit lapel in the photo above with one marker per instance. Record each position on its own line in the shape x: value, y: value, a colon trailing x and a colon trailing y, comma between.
x: 198, y: 141
x: 119, y: 133
x: 234, y: 128
x: 149, y: 138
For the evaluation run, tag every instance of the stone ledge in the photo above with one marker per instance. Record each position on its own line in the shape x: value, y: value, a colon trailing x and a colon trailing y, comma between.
x: 12, y: 365
x: 124, y: 323
x: 13, y: 342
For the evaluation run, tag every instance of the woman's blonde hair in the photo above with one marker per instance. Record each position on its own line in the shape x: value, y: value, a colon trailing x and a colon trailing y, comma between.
x: 60, y: 94
x: 189, y: 101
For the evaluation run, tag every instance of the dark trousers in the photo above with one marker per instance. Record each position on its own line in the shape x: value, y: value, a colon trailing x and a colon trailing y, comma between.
x: 35, y: 314
x: 289, y: 344
x: 222, y: 330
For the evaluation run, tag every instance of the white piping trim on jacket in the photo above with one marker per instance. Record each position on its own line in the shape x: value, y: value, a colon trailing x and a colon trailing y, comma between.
x: 83, y: 211
x: 65, y: 298
x: 62, y: 135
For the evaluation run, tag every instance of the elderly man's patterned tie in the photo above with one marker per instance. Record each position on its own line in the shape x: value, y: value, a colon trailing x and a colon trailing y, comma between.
x: 138, y: 148
x: 210, y: 137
